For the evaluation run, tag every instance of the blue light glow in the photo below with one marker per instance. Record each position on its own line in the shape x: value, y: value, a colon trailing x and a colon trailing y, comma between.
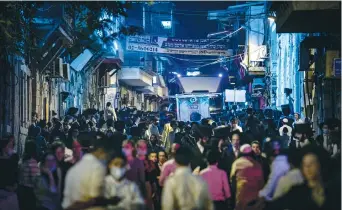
x: 166, y: 24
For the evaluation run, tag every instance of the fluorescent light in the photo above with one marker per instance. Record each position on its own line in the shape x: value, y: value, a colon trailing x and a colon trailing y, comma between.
x: 220, y: 75
x: 194, y: 73
x: 166, y: 24
x: 116, y: 47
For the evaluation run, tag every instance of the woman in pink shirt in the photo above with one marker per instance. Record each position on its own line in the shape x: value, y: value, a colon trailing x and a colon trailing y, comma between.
x: 217, y: 181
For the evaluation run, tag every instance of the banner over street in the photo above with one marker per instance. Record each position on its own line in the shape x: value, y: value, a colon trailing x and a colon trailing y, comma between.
x: 155, y: 44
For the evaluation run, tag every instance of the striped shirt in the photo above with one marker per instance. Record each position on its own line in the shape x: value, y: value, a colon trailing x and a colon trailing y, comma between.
x: 29, y: 170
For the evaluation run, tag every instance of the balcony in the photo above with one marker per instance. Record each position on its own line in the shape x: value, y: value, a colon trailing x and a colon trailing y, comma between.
x: 160, y: 91
x: 257, y: 70
x: 298, y: 17
x: 135, y: 77
x: 149, y: 90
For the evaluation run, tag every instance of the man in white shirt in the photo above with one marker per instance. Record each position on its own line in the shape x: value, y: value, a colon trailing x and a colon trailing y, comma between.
x: 297, y: 119
x: 235, y: 126
x: 117, y: 185
x: 153, y: 129
x: 109, y: 112
x: 84, y: 182
x: 289, y: 129
x: 184, y: 190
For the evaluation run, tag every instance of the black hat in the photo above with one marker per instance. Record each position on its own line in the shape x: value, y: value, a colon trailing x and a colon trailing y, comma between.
x: 222, y: 132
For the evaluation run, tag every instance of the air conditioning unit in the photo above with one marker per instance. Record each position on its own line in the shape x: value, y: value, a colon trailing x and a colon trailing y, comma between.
x: 105, y: 81
x: 57, y: 68
x: 66, y: 71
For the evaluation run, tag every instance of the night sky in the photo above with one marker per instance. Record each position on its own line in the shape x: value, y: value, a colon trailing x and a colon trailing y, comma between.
x: 197, y: 26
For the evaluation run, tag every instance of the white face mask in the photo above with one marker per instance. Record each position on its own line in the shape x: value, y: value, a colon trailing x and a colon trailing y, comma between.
x: 142, y: 152
x: 117, y: 173
x: 127, y: 152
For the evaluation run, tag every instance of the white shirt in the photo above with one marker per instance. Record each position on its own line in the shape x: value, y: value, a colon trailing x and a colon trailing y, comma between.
x: 236, y: 151
x: 237, y: 128
x: 128, y: 191
x: 200, y: 147
x: 292, y: 178
x: 304, y: 143
x: 279, y: 168
x: 326, y: 143
x: 152, y: 129
x: 185, y: 191
x: 289, y: 130
x: 299, y: 121
x: 84, y: 181
x: 109, y: 113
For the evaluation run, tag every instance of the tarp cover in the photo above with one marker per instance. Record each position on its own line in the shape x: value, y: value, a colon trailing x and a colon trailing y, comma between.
x: 191, y: 84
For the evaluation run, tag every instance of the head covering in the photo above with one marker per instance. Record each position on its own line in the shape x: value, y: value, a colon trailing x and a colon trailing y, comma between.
x: 245, y: 149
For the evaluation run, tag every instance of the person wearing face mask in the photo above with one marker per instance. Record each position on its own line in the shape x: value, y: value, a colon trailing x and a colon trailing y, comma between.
x: 85, y: 180
x: 136, y: 173
x: 117, y: 185
x: 324, y: 140
x: 48, y: 184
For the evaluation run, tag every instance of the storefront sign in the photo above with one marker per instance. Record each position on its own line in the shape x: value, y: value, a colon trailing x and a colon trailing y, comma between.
x: 193, y: 108
x: 163, y: 45
x: 337, y: 67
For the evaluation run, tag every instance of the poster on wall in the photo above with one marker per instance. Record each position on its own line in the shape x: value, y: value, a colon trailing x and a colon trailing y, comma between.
x: 193, y: 109
x: 155, y: 44
x: 235, y: 95
x: 110, y: 96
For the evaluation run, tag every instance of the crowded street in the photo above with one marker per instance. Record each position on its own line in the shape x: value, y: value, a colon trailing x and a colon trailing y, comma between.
x: 170, y: 105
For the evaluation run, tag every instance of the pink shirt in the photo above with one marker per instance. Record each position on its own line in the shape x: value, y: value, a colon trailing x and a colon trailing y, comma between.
x: 217, y: 181
x: 168, y: 168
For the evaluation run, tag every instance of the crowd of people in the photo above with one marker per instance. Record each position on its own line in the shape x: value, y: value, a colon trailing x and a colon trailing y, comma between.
x: 136, y: 161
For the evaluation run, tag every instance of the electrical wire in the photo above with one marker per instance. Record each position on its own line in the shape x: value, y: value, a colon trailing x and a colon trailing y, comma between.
x: 203, y: 15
